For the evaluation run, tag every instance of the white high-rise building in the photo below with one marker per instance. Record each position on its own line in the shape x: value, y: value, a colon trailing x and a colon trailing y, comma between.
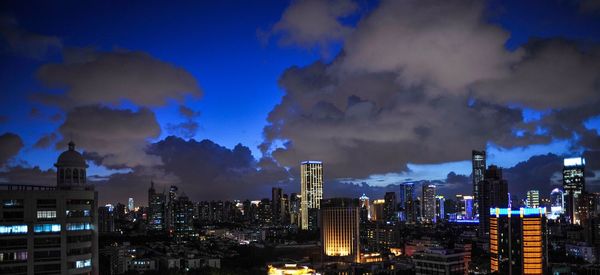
x: 311, y: 187
x: 533, y: 199
x: 429, y: 203
x: 130, y: 205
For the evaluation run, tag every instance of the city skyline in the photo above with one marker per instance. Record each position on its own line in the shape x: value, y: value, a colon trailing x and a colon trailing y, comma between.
x: 241, y: 132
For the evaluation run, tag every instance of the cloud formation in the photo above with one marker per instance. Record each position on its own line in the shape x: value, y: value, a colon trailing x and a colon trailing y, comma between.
x: 310, y: 23
x: 23, y: 42
x: 10, y: 145
x: 91, y: 77
x: 117, y: 138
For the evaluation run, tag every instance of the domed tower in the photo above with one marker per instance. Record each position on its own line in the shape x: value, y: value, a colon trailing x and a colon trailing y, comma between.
x: 70, y: 168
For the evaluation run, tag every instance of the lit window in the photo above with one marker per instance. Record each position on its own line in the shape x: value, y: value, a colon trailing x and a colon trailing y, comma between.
x: 83, y: 263
x: 13, y: 229
x: 46, y: 228
x: 78, y: 226
x: 46, y: 214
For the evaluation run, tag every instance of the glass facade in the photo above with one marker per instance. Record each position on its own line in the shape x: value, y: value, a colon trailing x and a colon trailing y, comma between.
x: 79, y: 226
x: 46, y: 228
x: 46, y: 214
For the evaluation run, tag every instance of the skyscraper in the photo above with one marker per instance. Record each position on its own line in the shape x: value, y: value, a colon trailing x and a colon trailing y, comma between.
x: 365, y: 215
x: 130, y: 205
x: 468, y: 205
x: 156, y: 209
x: 574, y: 186
x: 518, y: 241
x: 51, y: 229
x: 170, y: 210
x: 295, y: 206
x: 533, y: 199
x: 407, y: 194
x: 428, y: 206
x: 493, y: 192
x: 183, y: 212
x: 106, y: 219
x: 389, y: 207
x: 340, y: 218
x: 557, y: 205
x: 440, y: 213
x: 276, y: 196
x: 311, y: 187
x: 478, y: 161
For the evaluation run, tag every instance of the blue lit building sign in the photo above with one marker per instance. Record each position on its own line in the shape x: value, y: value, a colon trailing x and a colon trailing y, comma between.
x: 523, y: 211
x: 13, y: 229
x: 46, y: 228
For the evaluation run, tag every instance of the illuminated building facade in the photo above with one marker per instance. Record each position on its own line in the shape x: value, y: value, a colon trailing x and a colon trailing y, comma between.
x: 478, y: 162
x: 407, y: 207
x: 376, y: 210
x: 130, y: 205
x: 183, y: 212
x: 440, y: 212
x: 469, y: 214
x: 365, y: 215
x: 574, y: 186
x: 429, y: 202
x: 51, y: 229
x: 518, y: 240
x: 311, y: 187
x: 441, y: 261
x: 557, y: 205
x: 156, y: 210
x: 276, y: 197
x: 389, y: 206
x: 493, y: 192
x: 340, y: 219
x: 289, y: 269
x: 533, y: 199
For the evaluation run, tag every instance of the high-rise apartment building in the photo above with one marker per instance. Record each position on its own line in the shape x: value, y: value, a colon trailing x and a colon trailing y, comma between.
x: 440, y: 213
x: 170, y: 210
x: 311, y: 187
x: 183, y: 212
x: 106, y: 219
x: 156, y: 210
x: 340, y: 219
x: 389, y: 207
x: 295, y: 206
x: 51, y: 229
x: 276, y: 196
x: 407, y: 195
x: 478, y: 162
x: 574, y: 186
x: 533, y: 199
x: 429, y: 202
x: 493, y: 192
x: 518, y: 240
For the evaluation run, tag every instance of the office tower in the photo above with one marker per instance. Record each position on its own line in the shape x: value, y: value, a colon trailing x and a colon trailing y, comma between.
x: 574, y: 186
x: 311, y: 187
x: 377, y: 210
x: 130, y: 205
x: 440, y: 212
x: 533, y: 199
x: 156, y: 210
x: 478, y: 161
x: 428, y: 205
x: 407, y: 194
x: 170, y: 210
x: 417, y: 204
x: 340, y: 218
x: 265, y: 212
x: 295, y: 217
x: 556, y: 204
x: 364, y: 208
x: 276, y: 195
x: 518, y: 241
x: 183, y: 212
x: 106, y: 219
x: 51, y: 229
x: 284, y: 213
x: 469, y: 213
x: 389, y: 207
x: 493, y: 192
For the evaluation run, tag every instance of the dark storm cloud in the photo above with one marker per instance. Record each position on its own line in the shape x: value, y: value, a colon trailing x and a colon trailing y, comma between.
x: 117, y: 137
x: 28, y: 175
x: 310, y: 23
x: 91, y: 77
x: 24, y: 42
x: 534, y: 174
x: 203, y: 169
x: 10, y: 145
x: 187, y: 128
x: 425, y: 82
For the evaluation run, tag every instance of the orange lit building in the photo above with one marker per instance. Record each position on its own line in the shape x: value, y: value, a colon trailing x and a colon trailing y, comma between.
x: 518, y: 240
x: 340, y: 219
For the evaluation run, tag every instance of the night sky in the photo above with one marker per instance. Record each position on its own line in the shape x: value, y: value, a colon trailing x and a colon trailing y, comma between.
x: 225, y: 98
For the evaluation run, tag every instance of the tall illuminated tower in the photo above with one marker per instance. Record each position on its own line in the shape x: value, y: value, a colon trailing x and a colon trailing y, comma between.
x: 518, y: 240
x: 311, y: 187
x: 428, y: 203
x: 493, y: 192
x: 478, y: 161
x: 340, y: 218
x: 533, y: 198
x: 574, y: 186
x: 407, y: 194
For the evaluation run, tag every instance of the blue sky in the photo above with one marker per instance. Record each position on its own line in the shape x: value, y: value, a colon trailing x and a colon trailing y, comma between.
x: 218, y: 42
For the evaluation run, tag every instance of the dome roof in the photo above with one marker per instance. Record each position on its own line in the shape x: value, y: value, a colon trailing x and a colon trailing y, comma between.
x: 71, y: 158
